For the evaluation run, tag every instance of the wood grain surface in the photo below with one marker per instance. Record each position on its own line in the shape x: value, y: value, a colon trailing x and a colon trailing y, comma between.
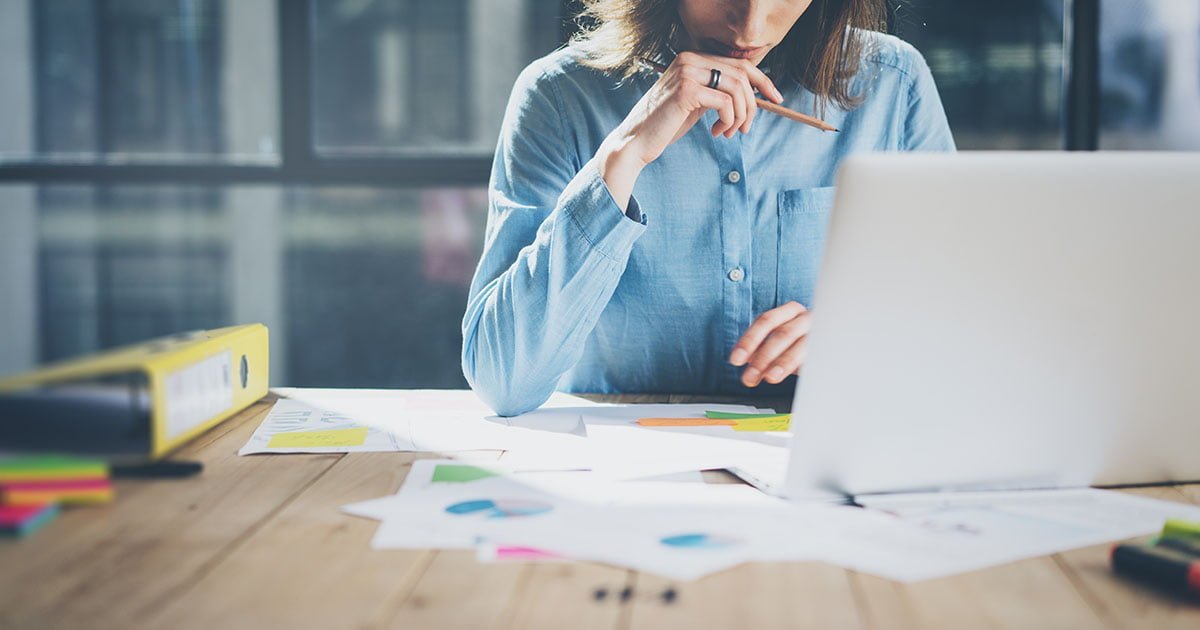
x: 258, y: 542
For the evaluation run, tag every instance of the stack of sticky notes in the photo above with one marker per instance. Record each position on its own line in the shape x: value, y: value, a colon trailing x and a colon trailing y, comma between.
x: 33, y: 486
x: 751, y: 422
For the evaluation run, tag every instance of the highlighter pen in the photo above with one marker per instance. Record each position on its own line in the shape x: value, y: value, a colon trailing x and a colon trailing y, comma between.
x: 1179, y: 528
x: 1158, y: 567
x: 1186, y: 546
x: 167, y: 469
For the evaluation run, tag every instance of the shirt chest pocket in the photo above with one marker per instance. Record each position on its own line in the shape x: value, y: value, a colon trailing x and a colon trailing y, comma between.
x: 803, y: 222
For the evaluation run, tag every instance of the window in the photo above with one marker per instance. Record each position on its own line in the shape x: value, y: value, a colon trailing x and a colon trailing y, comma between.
x: 126, y: 80
x: 998, y: 67
x: 156, y: 178
x: 319, y: 165
x: 394, y: 75
x: 1149, y: 75
x: 362, y: 286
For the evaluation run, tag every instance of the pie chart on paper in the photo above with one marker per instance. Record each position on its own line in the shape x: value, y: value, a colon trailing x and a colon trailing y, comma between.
x: 500, y: 508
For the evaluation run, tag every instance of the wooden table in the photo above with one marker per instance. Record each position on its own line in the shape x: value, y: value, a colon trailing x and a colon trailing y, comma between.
x: 259, y: 542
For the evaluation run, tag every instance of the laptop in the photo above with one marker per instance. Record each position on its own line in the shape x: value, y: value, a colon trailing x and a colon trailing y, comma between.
x: 1004, y: 321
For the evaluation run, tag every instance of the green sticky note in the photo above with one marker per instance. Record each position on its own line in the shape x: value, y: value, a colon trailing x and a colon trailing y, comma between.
x: 460, y: 473
x: 34, y: 467
x: 725, y: 415
x: 312, y: 439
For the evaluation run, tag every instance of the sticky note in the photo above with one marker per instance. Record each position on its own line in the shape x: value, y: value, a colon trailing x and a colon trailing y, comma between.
x: 22, y: 520
x: 773, y: 423
x: 310, y: 439
x: 743, y: 416
x: 739, y: 422
x: 28, y: 468
x: 460, y: 473
x: 685, y: 422
x: 69, y: 491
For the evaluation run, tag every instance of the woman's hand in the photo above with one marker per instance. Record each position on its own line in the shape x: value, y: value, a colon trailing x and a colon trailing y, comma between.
x: 672, y: 106
x: 774, y: 346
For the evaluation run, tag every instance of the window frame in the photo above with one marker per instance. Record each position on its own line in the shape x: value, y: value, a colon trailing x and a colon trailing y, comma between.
x: 299, y: 163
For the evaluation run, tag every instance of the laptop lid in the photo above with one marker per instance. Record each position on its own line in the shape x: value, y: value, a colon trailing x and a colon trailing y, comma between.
x: 1006, y: 320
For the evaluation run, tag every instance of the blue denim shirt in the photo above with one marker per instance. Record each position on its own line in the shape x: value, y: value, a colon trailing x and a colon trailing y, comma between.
x: 575, y: 295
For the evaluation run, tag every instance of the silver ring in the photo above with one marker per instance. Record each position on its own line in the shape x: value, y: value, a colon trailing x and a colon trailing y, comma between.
x: 714, y: 79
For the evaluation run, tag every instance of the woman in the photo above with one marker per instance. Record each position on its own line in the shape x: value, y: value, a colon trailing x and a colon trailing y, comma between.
x: 656, y: 233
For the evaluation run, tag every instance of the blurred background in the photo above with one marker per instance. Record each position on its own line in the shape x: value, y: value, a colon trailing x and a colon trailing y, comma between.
x: 319, y: 165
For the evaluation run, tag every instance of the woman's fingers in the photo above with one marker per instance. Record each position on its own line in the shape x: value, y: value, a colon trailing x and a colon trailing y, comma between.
x: 719, y: 101
x: 740, y: 87
x: 787, y: 363
x: 734, y: 82
x: 746, y: 82
x: 761, y: 82
x: 769, y: 348
x: 752, y: 110
x: 763, y: 326
x: 731, y: 84
x: 680, y: 97
x: 738, y: 80
x: 768, y: 361
x: 756, y: 77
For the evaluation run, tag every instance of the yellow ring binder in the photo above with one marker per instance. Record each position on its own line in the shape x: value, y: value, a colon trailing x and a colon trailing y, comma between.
x: 140, y: 401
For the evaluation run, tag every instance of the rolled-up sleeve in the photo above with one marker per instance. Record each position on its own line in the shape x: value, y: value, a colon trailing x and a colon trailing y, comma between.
x: 555, y: 249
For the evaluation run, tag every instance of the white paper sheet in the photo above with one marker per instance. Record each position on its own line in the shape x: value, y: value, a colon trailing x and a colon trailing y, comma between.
x: 554, y: 437
x: 539, y: 449
x: 425, y: 517
x: 576, y: 486
x: 956, y: 532
x: 681, y: 531
x: 687, y: 530
x: 422, y: 473
x: 451, y: 420
x: 399, y: 420
x: 678, y: 542
x: 617, y: 447
x: 564, y: 419
x: 680, y: 535
x: 622, y: 451
x: 296, y: 417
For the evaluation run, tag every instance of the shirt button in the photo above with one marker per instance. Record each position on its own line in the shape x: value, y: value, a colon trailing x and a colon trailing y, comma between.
x: 736, y: 274
x: 733, y: 177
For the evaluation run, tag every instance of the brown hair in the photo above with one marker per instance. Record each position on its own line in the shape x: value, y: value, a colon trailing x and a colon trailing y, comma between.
x: 821, y: 52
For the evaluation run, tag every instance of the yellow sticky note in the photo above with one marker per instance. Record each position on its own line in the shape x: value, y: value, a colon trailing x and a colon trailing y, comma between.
x: 772, y: 423
x: 686, y: 422
x: 332, y: 437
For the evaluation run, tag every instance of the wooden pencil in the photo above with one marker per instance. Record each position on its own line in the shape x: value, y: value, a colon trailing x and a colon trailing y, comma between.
x: 780, y: 110
x: 766, y: 105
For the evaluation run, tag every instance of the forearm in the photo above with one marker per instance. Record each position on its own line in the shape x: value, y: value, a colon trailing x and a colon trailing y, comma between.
x: 620, y: 164
x: 527, y: 325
